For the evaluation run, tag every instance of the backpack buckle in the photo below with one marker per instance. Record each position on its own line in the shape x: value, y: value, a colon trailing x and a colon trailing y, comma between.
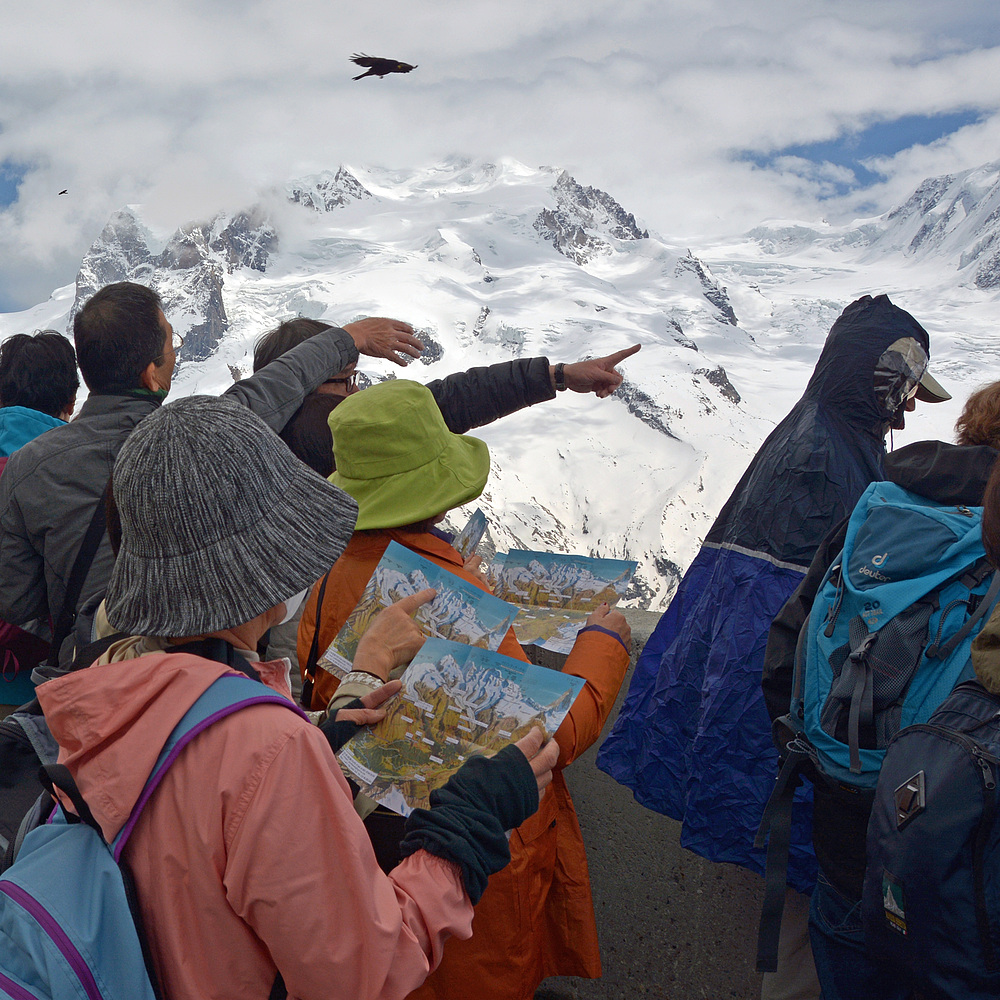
x: 910, y: 799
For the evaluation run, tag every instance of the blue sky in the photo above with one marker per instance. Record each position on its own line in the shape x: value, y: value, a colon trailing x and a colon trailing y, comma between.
x: 856, y: 149
x: 702, y: 117
x: 10, y: 177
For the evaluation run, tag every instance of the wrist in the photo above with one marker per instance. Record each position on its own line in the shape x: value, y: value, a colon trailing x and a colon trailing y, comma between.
x: 373, y: 658
x: 558, y: 376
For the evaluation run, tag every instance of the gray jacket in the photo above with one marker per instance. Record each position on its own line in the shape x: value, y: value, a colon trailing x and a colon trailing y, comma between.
x: 51, y: 486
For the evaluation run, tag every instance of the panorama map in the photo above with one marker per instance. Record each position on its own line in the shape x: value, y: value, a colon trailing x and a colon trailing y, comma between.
x: 460, y: 612
x: 457, y: 701
x: 555, y: 592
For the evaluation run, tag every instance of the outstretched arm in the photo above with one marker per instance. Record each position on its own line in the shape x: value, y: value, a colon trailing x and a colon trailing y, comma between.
x: 600, y: 656
x: 479, y: 396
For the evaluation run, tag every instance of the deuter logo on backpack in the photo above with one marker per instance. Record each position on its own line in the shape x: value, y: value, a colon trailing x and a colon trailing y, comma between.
x: 875, y: 574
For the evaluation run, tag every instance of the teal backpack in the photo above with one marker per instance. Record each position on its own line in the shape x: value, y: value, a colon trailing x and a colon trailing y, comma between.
x: 887, y: 639
x: 69, y: 919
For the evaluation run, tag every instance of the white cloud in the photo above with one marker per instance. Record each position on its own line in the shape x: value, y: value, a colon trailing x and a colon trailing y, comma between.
x: 192, y: 107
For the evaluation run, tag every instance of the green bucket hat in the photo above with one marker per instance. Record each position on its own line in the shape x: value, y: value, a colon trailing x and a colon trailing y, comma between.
x: 397, y: 458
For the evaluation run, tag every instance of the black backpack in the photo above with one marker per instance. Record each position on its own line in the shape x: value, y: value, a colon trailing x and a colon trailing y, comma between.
x: 931, y: 903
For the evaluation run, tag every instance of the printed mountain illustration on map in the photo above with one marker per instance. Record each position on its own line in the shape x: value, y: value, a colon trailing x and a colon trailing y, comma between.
x: 556, y: 580
x: 457, y: 701
x: 460, y: 612
x: 556, y: 591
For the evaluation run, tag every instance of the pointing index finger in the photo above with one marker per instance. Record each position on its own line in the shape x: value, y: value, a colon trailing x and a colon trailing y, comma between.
x: 623, y: 354
x: 412, y: 602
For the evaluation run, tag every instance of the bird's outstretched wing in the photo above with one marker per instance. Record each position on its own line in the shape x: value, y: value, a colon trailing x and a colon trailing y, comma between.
x: 378, y: 66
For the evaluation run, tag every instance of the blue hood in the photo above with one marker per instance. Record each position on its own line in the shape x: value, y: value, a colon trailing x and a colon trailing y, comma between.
x: 19, y: 425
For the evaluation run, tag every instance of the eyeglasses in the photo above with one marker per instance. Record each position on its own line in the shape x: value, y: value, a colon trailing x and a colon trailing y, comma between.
x: 351, y: 382
x: 176, y: 343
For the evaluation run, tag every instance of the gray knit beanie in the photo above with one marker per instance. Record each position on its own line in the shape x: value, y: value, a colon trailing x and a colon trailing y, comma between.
x: 219, y: 520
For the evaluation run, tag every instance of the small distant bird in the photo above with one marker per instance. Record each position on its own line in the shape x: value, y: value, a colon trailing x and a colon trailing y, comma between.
x: 64, y: 191
x: 379, y: 67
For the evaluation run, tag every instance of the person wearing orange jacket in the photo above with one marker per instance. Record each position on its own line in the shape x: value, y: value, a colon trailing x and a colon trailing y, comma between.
x: 397, y: 458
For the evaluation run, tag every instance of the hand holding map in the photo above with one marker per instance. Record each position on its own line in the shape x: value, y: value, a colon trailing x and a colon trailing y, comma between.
x: 613, y: 621
x: 457, y: 701
x: 542, y: 754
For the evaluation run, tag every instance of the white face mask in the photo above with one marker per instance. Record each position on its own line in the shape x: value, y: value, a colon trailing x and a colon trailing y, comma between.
x: 292, y: 605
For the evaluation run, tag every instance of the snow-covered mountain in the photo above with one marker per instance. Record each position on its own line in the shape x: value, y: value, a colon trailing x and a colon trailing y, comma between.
x: 493, y: 261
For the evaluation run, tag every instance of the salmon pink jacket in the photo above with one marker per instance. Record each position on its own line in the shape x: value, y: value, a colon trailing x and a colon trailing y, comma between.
x: 249, y: 858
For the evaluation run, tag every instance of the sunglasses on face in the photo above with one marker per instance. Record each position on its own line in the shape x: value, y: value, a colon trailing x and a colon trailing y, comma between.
x: 350, y: 382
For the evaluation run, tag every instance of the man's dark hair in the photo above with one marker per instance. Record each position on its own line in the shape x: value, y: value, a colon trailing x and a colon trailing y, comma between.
x: 308, y: 434
x: 38, y: 372
x: 282, y: 339
x: 117, y: 335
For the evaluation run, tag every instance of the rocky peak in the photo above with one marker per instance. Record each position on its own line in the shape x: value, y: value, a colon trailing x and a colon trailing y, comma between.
x: 924, y: 199
x: 956, y: 216
x: 710, y: 288
x: 327, y: 191
x: 596, y: 209
x: 120, y: 253
x: 247, y: 240
x: 583, y: 220
x: 188, y: 273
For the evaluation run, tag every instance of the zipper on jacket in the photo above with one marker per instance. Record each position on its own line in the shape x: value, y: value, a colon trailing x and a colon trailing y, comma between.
x: 985, y: 767
x: 56, y: 934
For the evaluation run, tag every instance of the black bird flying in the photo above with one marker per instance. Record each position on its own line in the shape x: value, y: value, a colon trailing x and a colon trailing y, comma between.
x: 379, y: 67
x: 64, y: 191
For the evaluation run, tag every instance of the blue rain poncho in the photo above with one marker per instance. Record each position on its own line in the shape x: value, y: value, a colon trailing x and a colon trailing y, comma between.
x: 693, y: 739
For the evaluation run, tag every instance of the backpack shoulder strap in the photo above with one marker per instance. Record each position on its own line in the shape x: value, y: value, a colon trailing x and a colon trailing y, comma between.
x: 78, y: 575
x: 309, y: 671
x: 228, y: 694
x: 984, y: 607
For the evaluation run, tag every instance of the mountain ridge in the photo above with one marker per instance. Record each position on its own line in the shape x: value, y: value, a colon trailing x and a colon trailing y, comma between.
x: 491, y: 261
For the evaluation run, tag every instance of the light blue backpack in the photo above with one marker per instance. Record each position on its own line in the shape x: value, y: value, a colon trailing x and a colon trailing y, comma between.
x: 887, y: 640
x: 891, y: 629
x: 69, y: 918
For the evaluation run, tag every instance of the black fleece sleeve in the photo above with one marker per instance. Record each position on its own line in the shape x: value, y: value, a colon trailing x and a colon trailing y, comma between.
x: 470, y: 814
x: 481, y: 395
x: 779, y: 657
x: 338, y: 733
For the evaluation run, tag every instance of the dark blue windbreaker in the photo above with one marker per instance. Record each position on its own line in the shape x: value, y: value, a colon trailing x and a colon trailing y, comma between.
x: 693, y: 736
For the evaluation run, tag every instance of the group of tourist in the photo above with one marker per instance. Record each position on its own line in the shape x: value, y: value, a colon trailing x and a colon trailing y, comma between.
x: 213, y: 532
x: 162, y: 546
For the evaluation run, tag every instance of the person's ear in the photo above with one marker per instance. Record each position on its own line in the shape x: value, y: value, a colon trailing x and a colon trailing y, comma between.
x: 149, y: 378
x: 68, y: 410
